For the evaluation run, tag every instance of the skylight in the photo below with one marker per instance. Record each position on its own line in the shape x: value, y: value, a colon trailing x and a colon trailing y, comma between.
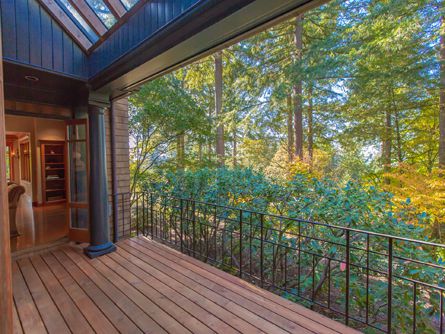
x: 87, y: 21
x: 129, y: 3
x: 103, y: 12
x: 78, y: 20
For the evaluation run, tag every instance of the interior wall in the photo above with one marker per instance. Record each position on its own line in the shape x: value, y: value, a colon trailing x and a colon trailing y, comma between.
x: 39, y: 129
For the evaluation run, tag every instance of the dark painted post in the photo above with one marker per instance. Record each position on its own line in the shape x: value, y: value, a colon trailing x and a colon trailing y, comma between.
x: 100, y: 243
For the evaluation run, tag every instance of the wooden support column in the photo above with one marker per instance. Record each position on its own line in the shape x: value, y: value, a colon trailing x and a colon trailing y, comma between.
x: 5, y: 247
x: 100, y: 243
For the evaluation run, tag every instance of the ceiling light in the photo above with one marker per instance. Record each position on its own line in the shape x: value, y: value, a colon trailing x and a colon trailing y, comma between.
x: 31, y: 78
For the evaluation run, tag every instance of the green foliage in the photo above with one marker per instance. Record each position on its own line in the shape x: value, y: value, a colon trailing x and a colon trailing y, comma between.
x: 370, y: 80
x: 324, y: 201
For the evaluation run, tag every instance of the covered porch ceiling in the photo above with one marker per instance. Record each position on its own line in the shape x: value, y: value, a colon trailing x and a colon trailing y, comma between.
x: 114, y: 46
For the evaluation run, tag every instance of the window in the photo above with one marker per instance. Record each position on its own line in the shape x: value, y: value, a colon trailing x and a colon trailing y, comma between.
x: 103, y: 12
x: 25, y: 162
x: 78, y: 20
x: 9, y: 163
x: 129, y: 3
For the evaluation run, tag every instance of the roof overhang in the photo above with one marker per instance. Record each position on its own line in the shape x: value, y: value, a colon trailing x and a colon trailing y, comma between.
x: 193, y: 36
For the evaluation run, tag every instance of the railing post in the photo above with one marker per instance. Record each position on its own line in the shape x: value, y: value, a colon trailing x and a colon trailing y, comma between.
x: 241, y: 243
x: 193, y: 227
x: 151, y: 214
x: 143, y: 213
x: 137, y: 211
x: 390, y: 259
x: 181, y: 225
x: 348, y: 273
x: 115, y: 217
x: 262, y: 250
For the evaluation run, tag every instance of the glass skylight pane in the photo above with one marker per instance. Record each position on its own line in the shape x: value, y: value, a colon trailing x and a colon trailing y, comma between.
x: 103, y: 12
x: 129, y: 3
x: 80, y: 21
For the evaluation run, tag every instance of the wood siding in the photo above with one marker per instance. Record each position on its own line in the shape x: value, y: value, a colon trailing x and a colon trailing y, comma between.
x: 32, y: 37
x: 122, y: 158
x: 145, y: 23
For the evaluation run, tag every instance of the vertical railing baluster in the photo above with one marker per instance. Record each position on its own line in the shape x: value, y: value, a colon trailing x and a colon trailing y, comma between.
x: 441, y: 326
x: 130, y: 212
x: 262, y: 250
x: 123, y: 218
x: 143, y: 212
x: 390, y: 259
x: 137, y: 211
x: 348, y: 268
x: 151, y: 214
x: 414, y: 307
x: 329, y: 284
x: 215, y: 235
x: 251, y: 231
x: 313, y: 280
x: 299, y: 260
x: 181, y: 225
x: 193, y: 227
x: 285, y: 268
x: 241, y: 243
x: 367, y: 278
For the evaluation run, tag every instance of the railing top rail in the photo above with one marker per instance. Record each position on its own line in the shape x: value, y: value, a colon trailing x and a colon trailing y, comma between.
x: 298, y: 220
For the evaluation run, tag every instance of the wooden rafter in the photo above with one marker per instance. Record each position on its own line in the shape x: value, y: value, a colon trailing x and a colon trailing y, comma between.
x: 116, y: 7
x: 89, y: 16
x: 70, y: 27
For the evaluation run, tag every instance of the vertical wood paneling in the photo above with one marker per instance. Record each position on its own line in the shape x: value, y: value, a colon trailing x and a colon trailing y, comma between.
x: 9, y: 28
x: 31, y: 36
x: 37, y: 39
x: 22, y: 23
x: 151, y: 17
x: 67, y: 54
x: 47, y: 41
x: 57, y: 48
x: 122, y: 157
x: 35, y: 34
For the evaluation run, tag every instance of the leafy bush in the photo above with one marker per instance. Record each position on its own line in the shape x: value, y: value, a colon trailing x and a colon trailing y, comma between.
x: 323, y: 200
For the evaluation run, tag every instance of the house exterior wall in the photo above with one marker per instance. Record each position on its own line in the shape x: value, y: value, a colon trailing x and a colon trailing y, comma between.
x: 120, y: 114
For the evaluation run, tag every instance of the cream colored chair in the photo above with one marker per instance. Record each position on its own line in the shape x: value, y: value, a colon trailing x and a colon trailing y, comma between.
x: 15, y: 191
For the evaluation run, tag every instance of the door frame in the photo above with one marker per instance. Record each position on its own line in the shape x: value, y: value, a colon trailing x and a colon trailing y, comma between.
x: 76, y: 234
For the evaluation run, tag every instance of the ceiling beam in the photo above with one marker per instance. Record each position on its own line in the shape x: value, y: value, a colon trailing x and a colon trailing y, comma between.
x: 89, y: 16
x: 70, y: 27
x: 116, y: 7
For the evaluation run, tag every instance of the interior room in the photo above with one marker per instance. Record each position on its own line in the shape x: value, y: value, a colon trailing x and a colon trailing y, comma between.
x: 36, y: 177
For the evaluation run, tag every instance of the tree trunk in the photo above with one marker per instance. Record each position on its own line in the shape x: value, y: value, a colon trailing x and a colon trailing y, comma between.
x: 310, y: 127
x: 200, y: 150
x: 387, y: 144
x: 398, y: 138
x: 235, y: 152
x: 218, y: 109
x: 290, y: 129
x: 298, y: 90
x: 180, y: 149
x: 442, y: 95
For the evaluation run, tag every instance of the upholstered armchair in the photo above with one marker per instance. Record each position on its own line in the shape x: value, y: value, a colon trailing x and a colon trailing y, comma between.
x: 15, y: 191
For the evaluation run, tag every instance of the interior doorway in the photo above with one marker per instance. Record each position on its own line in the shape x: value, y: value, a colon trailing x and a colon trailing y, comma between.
x: 37, y: 179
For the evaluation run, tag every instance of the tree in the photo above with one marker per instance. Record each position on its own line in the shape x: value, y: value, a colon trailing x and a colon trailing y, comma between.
x: 298, y: 90
x: 220, y: 149
x: 442, y: 90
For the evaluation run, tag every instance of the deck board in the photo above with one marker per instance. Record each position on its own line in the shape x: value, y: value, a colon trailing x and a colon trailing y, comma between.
x: 146, y: 287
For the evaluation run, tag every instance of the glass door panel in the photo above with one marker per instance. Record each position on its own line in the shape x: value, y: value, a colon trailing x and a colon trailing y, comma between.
x: 77, y: 148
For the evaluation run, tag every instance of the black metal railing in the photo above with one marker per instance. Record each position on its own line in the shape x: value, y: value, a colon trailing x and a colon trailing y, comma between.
x: 369, y: 280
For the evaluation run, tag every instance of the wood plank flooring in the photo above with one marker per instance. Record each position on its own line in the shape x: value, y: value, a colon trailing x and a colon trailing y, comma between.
x: 146, y: 287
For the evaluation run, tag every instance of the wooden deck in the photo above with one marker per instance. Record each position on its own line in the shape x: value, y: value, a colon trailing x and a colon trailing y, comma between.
x: 146, y: 287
